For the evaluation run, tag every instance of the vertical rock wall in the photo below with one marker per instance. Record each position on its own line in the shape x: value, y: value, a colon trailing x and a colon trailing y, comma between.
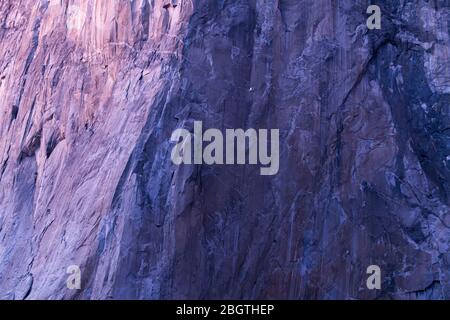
x: 91, y: 91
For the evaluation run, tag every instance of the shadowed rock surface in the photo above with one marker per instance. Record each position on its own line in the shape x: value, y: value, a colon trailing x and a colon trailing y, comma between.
x: 91, y: 91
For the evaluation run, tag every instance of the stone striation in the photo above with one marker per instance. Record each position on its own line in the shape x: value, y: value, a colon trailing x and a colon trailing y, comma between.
x: 90, y: 92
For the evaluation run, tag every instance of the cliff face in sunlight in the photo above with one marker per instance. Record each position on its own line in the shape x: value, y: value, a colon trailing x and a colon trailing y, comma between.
x: 91, y: 91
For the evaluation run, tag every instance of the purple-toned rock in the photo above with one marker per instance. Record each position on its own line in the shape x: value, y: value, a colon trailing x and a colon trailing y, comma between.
x: 91, y: 92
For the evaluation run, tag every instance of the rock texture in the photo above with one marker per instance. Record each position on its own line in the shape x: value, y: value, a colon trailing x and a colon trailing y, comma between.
x: 90, y: 92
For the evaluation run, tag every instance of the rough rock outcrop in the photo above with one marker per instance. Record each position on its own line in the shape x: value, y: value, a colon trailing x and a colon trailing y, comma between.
x: 90, y: 92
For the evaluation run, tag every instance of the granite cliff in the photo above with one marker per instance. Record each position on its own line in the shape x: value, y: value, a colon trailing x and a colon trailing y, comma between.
x: 90, y: 92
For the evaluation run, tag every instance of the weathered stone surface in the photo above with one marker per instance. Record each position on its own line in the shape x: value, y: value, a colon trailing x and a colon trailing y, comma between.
x: 90, y: 92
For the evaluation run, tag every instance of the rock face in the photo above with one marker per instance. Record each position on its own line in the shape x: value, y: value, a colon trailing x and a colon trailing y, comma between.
x: 91, y: 91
